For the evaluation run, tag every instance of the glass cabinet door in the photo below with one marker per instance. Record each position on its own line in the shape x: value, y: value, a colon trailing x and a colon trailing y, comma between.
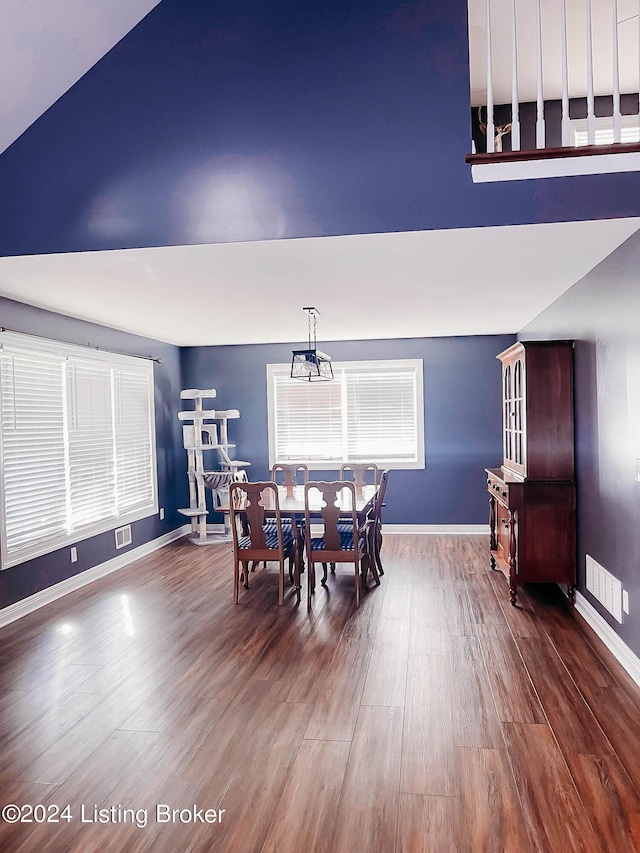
x: 518, y: 412
x: 514, y: 414
x: 507, y: 392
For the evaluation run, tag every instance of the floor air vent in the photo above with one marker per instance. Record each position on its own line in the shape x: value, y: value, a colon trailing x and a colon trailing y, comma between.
x: 605, y: 587
x: 123, y: 536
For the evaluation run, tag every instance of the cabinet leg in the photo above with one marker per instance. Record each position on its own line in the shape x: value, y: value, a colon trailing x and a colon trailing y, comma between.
x: 493, y: 542
x: 513, y: 594
x: 571, y: 594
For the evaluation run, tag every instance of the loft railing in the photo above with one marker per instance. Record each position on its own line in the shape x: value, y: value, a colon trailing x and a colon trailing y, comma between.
x: 554, y: 80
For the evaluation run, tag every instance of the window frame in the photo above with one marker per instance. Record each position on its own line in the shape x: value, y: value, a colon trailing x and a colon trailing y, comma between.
x: 28, y: 344
x: 415, y: 365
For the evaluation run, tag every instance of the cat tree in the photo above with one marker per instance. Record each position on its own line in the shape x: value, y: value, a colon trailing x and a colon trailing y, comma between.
x: 207, y: 431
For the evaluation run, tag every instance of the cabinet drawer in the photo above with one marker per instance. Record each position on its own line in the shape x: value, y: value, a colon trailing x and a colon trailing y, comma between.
x: 499, y: 489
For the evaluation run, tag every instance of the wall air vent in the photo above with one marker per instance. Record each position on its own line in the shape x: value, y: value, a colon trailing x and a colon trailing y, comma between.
x: 123, y: 536
x: 605, y: 587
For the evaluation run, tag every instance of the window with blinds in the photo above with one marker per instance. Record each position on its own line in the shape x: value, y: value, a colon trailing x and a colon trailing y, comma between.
x: 373, y: 411
x: 77, y: 444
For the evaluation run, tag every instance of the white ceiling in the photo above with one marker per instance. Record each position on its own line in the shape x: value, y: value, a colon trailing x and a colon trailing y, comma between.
x: 473, y: 281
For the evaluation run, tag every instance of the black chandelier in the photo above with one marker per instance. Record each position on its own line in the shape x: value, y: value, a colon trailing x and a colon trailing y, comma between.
x: 311, y: 364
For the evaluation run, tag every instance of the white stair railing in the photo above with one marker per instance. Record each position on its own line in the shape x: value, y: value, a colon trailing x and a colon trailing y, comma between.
x: 491, y: 130
x: 617, y: 115
x: 515, y: 103
x: 540, y: 134
x: 591, y: 113
x: 565, y: 121
x: 582, y: 62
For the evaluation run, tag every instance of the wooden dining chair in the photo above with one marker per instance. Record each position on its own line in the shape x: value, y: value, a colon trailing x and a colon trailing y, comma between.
x: 290, y: 475
x: 252, y: 505
x: 359, y: 473
x: 373, y: 532
x: 336, y: 544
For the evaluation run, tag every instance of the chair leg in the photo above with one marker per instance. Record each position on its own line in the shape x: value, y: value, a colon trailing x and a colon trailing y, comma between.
x: 236, y: 580
x: 378, y: 544
x: 357, y: 566
x: 311, y: 582
x: 374, y: 570
x: 369, y: 562
x: 281, y: 582
x: 296, y: 572
x: 324, y: 574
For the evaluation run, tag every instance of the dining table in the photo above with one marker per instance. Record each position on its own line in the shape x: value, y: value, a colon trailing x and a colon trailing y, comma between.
x: 292, y: 501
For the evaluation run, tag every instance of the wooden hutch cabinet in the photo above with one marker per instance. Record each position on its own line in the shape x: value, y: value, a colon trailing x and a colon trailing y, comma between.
x: 532, y: 503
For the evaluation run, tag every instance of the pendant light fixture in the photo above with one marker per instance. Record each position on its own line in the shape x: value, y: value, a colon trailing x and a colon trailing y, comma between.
x: 311, y: 365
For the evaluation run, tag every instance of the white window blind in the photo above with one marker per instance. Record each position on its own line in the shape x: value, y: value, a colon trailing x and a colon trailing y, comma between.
x: 91, y: 444
x: 77, y: 444
x: 371, y: 412
x: 34, y: 462
x: 133, y: 440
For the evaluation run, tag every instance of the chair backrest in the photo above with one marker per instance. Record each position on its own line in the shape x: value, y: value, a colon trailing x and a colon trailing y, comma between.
x: 332, y: 508
x: 289, y: 475
x: 373, y: 510
x: 249, y: 503
x: 359, y: 471
x: 379, y: 498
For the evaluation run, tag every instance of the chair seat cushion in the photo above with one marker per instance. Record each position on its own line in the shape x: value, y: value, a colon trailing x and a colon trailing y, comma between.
x: 346, y: 541
x: 271, y: 522
x: 271, y: 540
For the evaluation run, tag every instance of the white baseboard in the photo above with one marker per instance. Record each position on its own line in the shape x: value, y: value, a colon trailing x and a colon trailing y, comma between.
x: 456, y: 529
x: 52, y: 593
x: 618, y: 648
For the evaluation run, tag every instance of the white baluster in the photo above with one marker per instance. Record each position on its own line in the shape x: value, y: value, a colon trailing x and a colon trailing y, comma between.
x: 491, y: 133
x: 617, y: 117
x: 566, y: 121
x: 515, y: 106
x: 591, y: 116
x: 540, y: 133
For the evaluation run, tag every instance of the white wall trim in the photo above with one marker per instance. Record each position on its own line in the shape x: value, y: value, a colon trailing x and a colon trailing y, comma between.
x: 27, y: 605
x: 618, y: 648
x: 456, y: 529
x: 522, y: 170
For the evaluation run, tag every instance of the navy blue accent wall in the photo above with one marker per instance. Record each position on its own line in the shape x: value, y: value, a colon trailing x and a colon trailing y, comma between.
x: 462, y: 416
x: 23, y: 580
x: 601, y: 314
x: 215, y: 122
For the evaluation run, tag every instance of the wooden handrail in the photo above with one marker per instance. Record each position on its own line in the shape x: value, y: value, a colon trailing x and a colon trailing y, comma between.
x: 552, y: 153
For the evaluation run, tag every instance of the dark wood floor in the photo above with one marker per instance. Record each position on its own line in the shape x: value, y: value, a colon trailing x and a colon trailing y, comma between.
x: 434, y: 718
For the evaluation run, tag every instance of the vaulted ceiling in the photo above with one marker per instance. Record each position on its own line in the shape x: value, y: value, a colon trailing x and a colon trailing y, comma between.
x: 46, y: 47
x: 225, y: 164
